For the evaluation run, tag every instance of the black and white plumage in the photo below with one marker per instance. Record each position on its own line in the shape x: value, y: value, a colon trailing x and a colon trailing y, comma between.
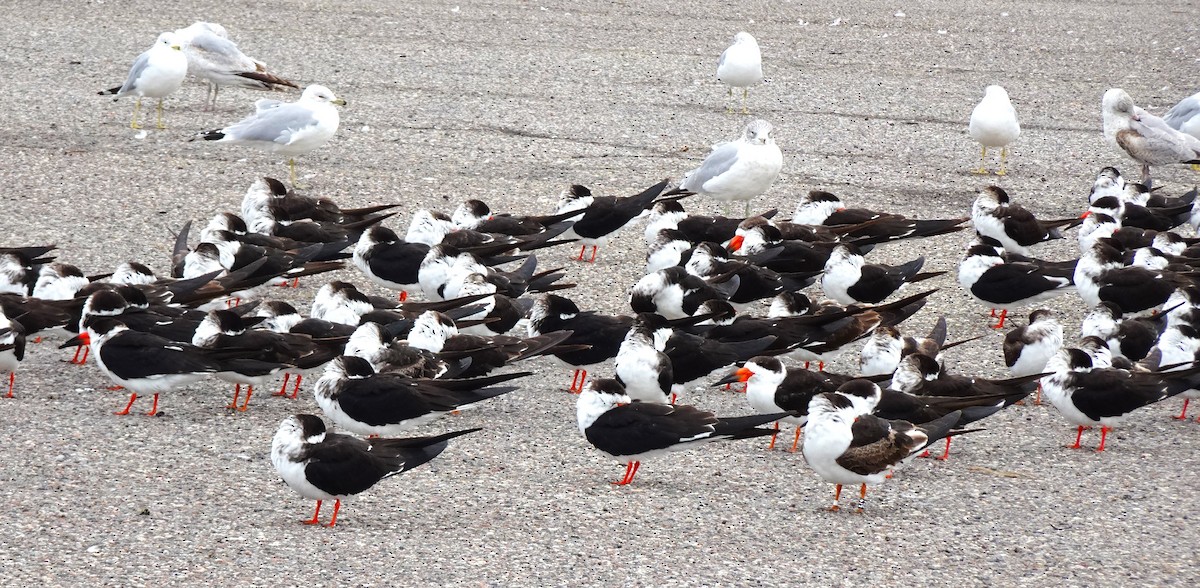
x: 603, y: 216
x: 674, y: 293
x: 602, y: 334
x: 1102, y: 276
x: 12, y: 349
x: 477, y: 215
x: 772, y: 388
x: 358, y: 399
x: 848, y: 279
x: 711, y: 261
x: 670, y: 214
x: 436, y: 332
x: 144, y: 363
x: 634, y: 431
x: 388, y: 260
x: 861, y: 225
x: 1128, y: 337
x: 642, y: 368
x: 1088, y: 396
x: 843, y: 445
x: 885, y: 347
x: 1152, y: 218
x: 1011, y: 224
x: 321, y: 465
x: 372, y: 342
x: 1005, y: 285
x: 1028, y: 348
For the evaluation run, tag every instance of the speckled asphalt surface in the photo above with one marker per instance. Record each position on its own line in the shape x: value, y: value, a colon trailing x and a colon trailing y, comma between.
x: 511, y: 102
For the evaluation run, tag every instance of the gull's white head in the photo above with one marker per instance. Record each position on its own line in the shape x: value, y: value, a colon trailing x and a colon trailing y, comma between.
x: 319, y: 93
x: 758, y: 132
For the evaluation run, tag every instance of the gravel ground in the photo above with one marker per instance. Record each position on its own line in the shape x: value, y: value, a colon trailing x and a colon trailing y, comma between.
x: 510, y: 102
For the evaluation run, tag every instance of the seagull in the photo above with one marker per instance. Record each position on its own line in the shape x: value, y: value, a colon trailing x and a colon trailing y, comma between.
x: 215, y: 59
x: 634, y: 431
x: 320, y: 465
x: 1027, y: 349
x: 740, y: 169
x: 1185, y: 116
x: 848, y: 279
x: 1145, y: 138
x: 287, y: 128
x: 843, y: 445
x: 740, y: 66
x: 994, y: 124
x: 156, y: 73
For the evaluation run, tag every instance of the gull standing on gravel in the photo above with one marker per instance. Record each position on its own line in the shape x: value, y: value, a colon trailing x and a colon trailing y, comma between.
x: 741, y: 169
x: 156, y: 73
x: 215, y: 59
x: 287, y: 128
x: 741, y: 66
x: 1145, y: 138
x: 994, y: 124
x: 1185, y: 118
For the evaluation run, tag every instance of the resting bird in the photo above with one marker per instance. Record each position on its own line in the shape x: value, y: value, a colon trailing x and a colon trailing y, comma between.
x: 215, y: 59
x: 320, y: 465
x: 1145, y: 138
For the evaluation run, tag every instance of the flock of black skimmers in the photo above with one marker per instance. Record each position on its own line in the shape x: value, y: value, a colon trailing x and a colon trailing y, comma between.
x: 472, y: 302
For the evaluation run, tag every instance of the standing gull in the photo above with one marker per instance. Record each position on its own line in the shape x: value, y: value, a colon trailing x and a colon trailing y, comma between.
x: 994, y: 124
x: 1185, y: 118
x: 287, y: 128
x: 213, y: 58
x: 156, y: 73
x: 1144, y: 137
x: 741, y: 66
x: 741, y: 169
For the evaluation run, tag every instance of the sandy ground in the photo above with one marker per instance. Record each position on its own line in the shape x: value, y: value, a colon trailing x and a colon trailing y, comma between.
x: 510, y: 102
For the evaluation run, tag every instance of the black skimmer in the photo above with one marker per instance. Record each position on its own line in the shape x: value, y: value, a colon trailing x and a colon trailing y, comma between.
x: 269, y: 197
x: 1028, y: 348
x: 143, y: 363
x: 477, y: 215
x: 60, y: 281
x: 281, y: 317
x: 12, y: 349
x: 1096, y: 227
x: 1108, y: 182
x: 1128, y: 337
x: 1000, y: 284
x: 773, y: 388
x: 765, y: 245
x: 266, y: 352
x: 320, y: 465
x: 739, y: 169
x: 886, y: 347
x: 843, y: 445
x: 711, y: 261
x: 443, y: 269
x: 1144, y: 217
x: 1180, y: 345
x: 668, y: 249
x: 861, y: 225
x: 372, y: 342
x: 848, y: 279
x: 994, y: 124
x: 635, y: 431
x: 642, y: 369
x: 1101, y: 276
x: 436, y: 332
x: 603, y: 216
x: 1014, y: 227
x: 357, y: 398
x: 674, y: 293
x: 1145, y: 138
x: 601, y: 333
x: 670, y: 214
x: 1088, y: 396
